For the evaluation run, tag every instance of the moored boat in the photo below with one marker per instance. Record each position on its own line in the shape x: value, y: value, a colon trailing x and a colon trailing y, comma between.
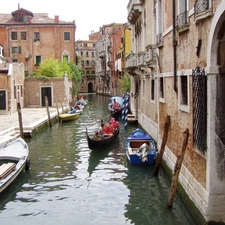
x: 13, y: 159
x: 132, y: 119
x: 68, y: 116
x: 140, y: 148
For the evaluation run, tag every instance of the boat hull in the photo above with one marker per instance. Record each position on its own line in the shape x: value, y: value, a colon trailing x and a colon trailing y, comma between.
x: 140, y: 148
x: 101, y: 142
x: 16, y: 152
x: 68, y: 116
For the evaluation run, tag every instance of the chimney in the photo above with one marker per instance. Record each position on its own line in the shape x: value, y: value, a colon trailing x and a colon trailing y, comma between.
x: 56, y: 19
x: 18, y: 5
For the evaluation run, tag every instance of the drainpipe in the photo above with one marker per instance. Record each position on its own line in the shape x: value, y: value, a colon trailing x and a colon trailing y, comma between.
x: 174, y: 47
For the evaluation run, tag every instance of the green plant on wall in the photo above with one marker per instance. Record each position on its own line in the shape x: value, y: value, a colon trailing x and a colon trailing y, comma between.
x: 124, y: 83
x: 51, y: 67
x: 76, y: 76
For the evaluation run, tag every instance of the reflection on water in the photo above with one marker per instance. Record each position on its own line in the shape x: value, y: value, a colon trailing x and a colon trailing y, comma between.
x: 70, y: 184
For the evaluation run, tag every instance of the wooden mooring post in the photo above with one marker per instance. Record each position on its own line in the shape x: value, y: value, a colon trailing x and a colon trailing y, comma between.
x: 177, y: 168
x: 49, y: 118
x: 62, y: 105
x: 57, y: 107
x: 165, y: 135
x: 20, y: 119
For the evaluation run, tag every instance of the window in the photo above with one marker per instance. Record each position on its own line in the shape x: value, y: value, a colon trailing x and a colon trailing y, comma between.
x: 81, y: 53
x: 21, y: 18
x: 65, y: 58
x: 14, y: 35
x: 14, y: 89
x: 66, y: 36
x: 94, y: 45
x: 21, y: 90
x: 23, y: 35
x: 184, y: 92
x: 199, y: 92
x: 93, y: 72
x: 1, y: 51
x: 92, y: 62
x: 15, y: 60
x: 87, y: 54
x: 87, y: 62
x: 152, y: 89
x: 161, y: 87
x: 16, y: 50
x: 85, y: 44
x: 36, y: 36
x: 159, y: 25
x: 92, y: 54
x: 82, y: 62
x: 87, y: 72
x: 182, y: 13
x: 38, y: 60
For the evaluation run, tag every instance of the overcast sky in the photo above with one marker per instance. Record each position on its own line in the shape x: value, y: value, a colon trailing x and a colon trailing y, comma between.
x: 88, y: 14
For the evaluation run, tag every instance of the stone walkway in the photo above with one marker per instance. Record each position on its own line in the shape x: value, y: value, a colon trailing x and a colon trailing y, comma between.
x: 31, y: 119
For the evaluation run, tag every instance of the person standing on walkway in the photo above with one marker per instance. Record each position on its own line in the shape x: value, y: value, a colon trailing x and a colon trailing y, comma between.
x: 116, y: 108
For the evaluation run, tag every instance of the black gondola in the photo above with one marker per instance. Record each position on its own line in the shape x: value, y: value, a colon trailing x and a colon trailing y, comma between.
x: 99, y: 142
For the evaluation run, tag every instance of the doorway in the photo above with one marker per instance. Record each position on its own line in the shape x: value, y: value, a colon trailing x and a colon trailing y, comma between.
x: 46, y: 91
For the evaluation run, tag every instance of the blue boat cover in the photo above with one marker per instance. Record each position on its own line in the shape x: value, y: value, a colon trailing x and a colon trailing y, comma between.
x: 138, y: 134
x: 118, y: 99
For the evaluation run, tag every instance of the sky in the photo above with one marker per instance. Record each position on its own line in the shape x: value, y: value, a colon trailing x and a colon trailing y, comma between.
x: 89, y: 15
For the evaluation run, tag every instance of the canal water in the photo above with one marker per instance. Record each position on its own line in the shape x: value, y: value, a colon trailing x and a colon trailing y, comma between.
x: 69, y: 184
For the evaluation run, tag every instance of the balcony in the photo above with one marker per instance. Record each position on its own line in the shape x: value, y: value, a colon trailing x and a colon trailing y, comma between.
x: 159, y: 40
x: 201, y: 10
x: 131, y: 61
x: 150, y: 57
x: 110, y: 64
x: 141, y: 58
x: 134, y: 10
x: 102, y: 54
x: 182, y: 22
x: 109, y: 48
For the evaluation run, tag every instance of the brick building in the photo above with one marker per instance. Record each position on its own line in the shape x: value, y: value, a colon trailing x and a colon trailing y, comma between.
x: 29, y: 38
x: 177, y: 70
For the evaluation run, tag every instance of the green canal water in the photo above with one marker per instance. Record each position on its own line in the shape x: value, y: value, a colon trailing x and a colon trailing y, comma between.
x: 69, y: 184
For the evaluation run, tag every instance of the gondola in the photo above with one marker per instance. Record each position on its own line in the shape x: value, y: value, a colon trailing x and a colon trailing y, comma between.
x: 96, y: 141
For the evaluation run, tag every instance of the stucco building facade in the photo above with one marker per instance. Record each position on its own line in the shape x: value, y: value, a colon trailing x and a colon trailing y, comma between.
x: 86, y: 56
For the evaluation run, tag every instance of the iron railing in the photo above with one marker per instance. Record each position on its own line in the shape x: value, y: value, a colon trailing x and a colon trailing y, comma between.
x: 182, y: 19
x: 199, y: 88
x: 201, y: 6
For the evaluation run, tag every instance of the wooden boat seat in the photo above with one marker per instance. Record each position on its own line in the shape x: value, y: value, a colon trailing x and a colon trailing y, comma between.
x: 6, y: 169
x: 138, y: 143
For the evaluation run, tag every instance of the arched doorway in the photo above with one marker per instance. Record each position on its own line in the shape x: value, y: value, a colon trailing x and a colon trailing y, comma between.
x: 90, y: 87
x: 215, y: 183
